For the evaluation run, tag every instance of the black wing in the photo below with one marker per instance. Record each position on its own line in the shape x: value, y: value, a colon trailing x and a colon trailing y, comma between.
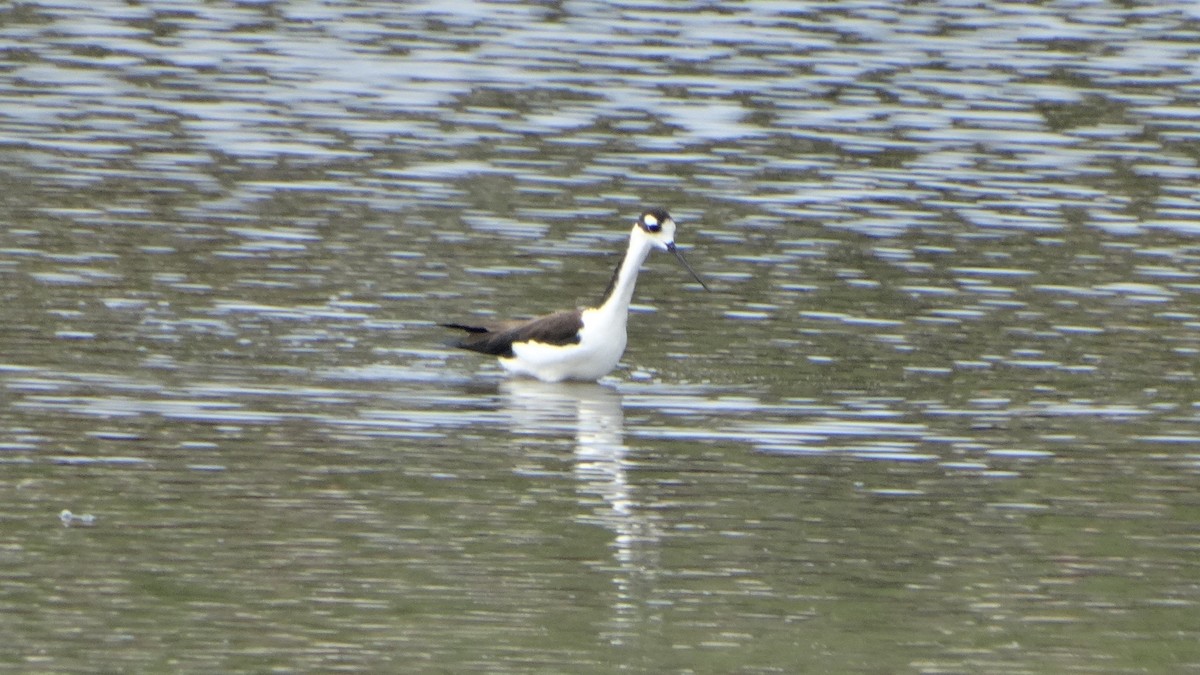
x: 560, y: 328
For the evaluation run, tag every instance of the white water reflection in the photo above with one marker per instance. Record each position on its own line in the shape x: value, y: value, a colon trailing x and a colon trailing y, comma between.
x: 798, y: 112
x: 601, y: 468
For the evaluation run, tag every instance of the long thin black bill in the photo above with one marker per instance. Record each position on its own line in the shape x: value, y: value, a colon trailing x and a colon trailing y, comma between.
x: 686, y: 266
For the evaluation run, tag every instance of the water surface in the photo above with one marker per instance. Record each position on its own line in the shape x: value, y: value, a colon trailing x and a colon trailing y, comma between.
x: 938, y: 415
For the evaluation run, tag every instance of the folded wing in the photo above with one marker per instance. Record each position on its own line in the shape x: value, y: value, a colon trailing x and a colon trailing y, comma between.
x: 560, y: 328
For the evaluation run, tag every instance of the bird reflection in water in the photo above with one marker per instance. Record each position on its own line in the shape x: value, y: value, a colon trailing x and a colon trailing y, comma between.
x: 594, y: 414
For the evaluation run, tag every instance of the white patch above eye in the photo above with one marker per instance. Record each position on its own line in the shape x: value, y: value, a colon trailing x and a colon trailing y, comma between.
x: 650, y: 220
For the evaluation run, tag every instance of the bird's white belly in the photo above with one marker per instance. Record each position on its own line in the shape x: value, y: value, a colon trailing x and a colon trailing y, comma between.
x: 601, y: 344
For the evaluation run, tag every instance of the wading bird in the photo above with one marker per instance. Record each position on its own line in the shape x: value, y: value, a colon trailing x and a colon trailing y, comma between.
x: 584, y: 343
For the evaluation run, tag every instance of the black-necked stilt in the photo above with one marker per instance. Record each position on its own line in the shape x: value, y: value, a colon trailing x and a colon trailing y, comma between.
x: 579, y: 344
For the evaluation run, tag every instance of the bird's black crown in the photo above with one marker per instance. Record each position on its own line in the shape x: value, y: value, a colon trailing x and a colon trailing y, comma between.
x: 652, y: 220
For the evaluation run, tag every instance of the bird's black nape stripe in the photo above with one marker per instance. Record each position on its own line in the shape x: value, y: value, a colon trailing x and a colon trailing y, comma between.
x: 612, y: 283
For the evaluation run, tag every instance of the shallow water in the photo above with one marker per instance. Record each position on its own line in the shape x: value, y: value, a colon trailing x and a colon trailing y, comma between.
x: 937, y: 415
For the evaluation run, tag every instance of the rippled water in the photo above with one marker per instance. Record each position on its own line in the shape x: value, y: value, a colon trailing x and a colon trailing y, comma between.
x: 938, y: 415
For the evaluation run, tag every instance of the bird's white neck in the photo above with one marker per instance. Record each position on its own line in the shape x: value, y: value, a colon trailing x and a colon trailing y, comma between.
x: 620, y: 290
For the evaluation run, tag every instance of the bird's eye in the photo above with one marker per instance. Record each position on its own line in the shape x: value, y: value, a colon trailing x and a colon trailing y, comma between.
x: 651, y: 223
